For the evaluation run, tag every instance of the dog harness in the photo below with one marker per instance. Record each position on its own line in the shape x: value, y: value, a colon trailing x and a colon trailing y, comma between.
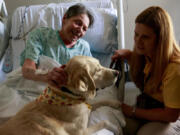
x: 52, y: 98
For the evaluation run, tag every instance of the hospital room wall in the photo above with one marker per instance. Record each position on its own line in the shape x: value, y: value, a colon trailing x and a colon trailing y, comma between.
x: 131, y: 9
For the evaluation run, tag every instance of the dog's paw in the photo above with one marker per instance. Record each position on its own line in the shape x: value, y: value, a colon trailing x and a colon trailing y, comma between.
x: 114, y: 103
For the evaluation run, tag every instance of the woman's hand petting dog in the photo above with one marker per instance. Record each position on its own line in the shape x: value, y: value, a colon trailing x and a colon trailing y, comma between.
x: 57, y: 77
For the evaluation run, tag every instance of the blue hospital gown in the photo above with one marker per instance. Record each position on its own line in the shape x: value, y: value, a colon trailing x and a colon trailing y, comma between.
x: 46, y: 41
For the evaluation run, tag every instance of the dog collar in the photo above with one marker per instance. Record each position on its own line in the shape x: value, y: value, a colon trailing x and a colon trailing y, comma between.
x: 52, y: 98
x: 64, y: 89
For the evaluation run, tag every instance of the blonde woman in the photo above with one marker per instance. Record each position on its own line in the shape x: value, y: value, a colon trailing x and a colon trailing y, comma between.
x: 155, y: 69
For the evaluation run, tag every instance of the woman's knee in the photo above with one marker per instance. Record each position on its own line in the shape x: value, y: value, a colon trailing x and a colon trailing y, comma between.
x: 132, y: 125
x: 156, y: 128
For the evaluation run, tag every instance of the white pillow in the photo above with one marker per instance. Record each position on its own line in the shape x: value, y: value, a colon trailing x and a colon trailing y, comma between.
x: 102, y: 37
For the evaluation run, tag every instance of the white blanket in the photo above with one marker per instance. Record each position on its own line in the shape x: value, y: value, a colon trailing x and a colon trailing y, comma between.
x: 17, y: 91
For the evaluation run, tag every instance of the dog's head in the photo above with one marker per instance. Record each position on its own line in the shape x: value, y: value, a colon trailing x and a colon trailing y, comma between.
x: 85, y: 74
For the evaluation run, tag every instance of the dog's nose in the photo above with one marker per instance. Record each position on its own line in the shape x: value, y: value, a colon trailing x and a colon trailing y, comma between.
x: 116, y: 73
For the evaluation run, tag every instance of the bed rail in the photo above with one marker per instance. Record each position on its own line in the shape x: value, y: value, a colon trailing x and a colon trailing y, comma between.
x: 3, y: 10
x: 4, y: 30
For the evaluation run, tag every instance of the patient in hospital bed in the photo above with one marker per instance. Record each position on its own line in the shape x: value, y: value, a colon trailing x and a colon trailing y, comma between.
x: 60, y: 45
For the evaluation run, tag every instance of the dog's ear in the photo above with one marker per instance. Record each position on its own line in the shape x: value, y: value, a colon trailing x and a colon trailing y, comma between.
x: 83, y: 82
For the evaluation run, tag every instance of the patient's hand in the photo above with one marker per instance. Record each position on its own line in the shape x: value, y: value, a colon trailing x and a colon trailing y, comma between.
x: 57, y: 77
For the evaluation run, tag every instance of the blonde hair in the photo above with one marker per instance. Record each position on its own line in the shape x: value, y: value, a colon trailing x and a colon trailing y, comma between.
x: 167, y: 50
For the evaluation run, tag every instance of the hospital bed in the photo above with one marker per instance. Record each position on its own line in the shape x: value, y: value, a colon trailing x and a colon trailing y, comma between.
x: 106, y: 35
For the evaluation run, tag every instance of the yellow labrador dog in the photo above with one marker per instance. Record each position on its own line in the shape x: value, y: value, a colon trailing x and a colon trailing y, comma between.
x: 65, y: 111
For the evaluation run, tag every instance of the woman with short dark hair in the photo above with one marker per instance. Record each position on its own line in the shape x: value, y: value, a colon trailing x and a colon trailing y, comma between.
x: 60, y: 45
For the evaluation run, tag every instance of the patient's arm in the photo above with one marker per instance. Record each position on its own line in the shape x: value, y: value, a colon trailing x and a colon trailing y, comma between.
x: 29, y: 71
x: 56, y: 77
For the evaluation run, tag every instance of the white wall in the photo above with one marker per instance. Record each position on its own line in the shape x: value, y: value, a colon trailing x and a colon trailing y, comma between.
x: 133, y: 7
